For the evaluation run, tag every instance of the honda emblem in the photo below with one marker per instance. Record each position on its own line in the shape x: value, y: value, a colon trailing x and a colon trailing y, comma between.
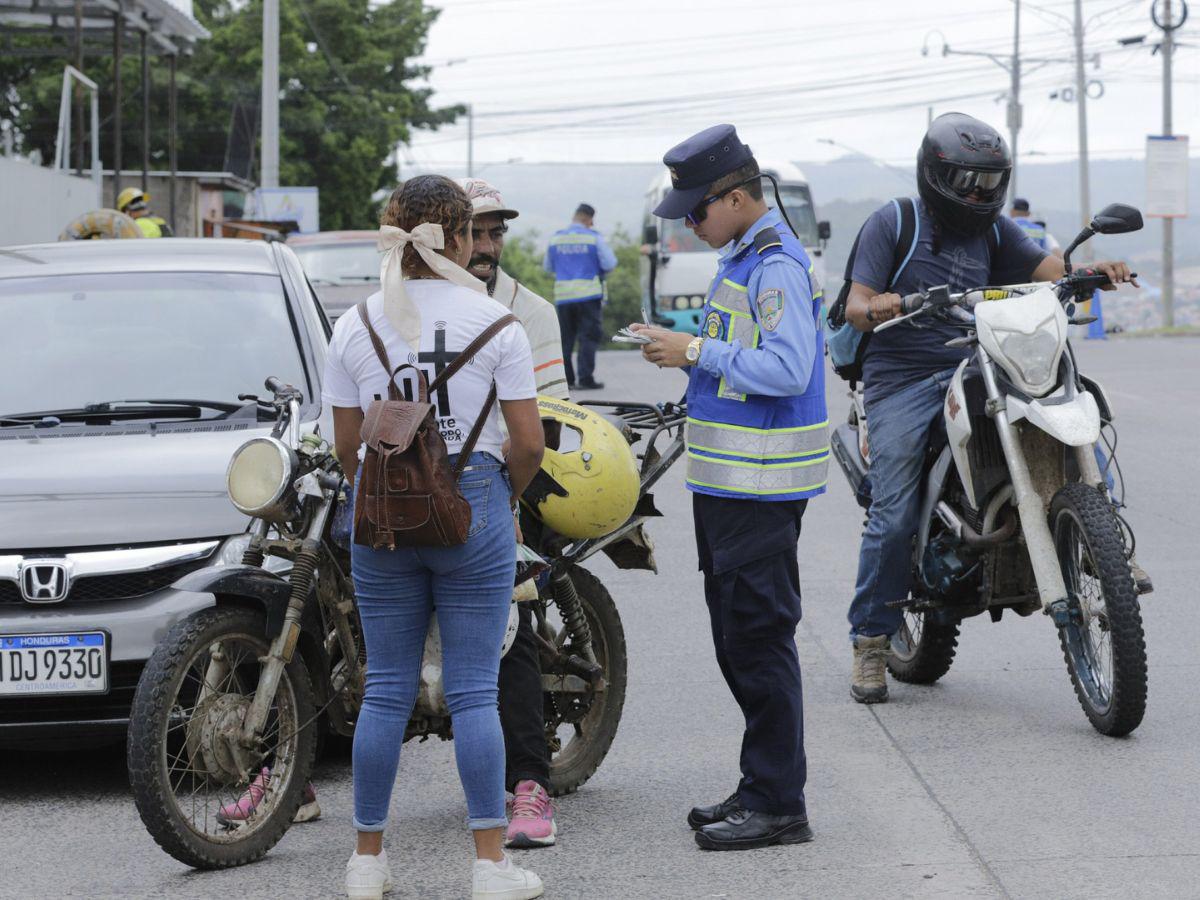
x: 44, y: 581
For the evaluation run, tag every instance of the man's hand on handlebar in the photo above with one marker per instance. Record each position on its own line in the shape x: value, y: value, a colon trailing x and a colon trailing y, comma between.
x: 883, y: 307
x: 1117, y: 272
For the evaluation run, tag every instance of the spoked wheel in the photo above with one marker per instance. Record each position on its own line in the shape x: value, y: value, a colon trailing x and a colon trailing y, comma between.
x: 581, y: 725
x: 206, y: 799
x: 1103, y: 641
x: 922, y: 651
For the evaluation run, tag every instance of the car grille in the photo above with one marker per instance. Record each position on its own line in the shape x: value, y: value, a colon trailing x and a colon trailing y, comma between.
x: 32, y: 710
x: 122, y: 586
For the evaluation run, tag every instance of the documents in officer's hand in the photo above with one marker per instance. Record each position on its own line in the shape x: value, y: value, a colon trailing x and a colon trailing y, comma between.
x: 625, y: 336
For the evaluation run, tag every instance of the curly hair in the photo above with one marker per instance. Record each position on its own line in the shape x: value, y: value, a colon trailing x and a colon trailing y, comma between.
x: 427, y: 198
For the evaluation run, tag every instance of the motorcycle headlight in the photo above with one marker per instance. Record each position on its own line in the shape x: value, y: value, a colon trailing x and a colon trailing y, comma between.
x: 260, y: 477
x: 1033, y: 356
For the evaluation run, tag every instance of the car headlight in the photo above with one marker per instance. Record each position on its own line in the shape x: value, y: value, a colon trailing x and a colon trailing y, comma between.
x: 232, y: 550
x: 260, y: 477
x: 1033, y: 356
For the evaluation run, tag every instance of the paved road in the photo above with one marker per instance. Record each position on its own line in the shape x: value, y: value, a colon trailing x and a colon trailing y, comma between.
x: 989, y: 784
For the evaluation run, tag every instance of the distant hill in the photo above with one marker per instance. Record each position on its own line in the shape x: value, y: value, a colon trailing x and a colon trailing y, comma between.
x: 846, y: 191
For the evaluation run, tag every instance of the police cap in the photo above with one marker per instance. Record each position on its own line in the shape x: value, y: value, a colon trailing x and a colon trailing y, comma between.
x: 696, y: 163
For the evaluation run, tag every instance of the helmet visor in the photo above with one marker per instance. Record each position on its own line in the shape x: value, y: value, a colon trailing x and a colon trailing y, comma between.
x: 967, y: 182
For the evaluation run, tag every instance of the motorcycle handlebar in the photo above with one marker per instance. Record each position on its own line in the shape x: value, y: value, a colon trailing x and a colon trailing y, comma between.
x: 910, y: 303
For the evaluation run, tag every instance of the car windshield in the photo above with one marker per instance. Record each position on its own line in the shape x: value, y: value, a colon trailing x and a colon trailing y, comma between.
x: 342, y: 261
x: 797, y: 201
x: 80, y: 339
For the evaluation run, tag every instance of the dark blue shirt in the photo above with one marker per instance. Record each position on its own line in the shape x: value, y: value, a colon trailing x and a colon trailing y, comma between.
x: 904, y: 355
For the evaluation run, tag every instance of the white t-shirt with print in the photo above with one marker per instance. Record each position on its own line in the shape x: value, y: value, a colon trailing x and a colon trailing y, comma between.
x: 451, y: 317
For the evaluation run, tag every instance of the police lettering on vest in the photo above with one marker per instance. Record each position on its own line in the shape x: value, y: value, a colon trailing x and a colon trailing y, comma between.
x: 750, y: 445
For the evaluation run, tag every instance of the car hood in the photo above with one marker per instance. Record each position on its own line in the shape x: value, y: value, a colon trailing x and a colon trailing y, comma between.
x: 105, y: 488
x: 337, y: 298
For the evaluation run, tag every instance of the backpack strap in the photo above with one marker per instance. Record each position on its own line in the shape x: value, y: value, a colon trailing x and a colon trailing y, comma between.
x: 992, y: 235
x: 381, y: 352
x: 908, y: 231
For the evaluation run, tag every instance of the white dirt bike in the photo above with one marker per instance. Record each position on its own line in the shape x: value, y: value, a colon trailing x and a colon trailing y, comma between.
x: 1015, y: 513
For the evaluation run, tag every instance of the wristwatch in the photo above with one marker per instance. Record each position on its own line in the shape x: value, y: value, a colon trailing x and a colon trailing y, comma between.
x: 692, y: 353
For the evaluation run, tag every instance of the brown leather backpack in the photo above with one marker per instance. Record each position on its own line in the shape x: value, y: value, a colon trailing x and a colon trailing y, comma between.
x: 408, y: 493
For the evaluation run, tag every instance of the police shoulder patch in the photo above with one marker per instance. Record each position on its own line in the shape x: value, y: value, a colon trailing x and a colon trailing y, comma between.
x: 712, y: 326
x: 770, y: 308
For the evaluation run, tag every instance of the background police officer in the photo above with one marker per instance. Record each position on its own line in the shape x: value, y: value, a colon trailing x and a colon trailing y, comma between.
x: 134, y: 203
x: 757, y: 450
x: 579, y: 259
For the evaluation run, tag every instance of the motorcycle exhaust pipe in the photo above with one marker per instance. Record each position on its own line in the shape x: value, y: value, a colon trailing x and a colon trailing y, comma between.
x: 969, y: 535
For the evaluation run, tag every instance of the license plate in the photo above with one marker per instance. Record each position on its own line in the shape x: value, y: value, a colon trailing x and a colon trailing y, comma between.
x: 35, y: 664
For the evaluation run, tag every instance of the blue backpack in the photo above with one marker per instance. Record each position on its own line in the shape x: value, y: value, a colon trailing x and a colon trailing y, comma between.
x: 846, y: 344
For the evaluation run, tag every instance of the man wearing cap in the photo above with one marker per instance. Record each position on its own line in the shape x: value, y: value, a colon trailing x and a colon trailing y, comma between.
x: 521, y: 711
x: 579, y: 259
x: 758, y: 449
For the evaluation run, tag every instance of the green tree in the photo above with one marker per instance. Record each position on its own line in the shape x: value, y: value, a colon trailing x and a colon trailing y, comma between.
x: 346, y: 96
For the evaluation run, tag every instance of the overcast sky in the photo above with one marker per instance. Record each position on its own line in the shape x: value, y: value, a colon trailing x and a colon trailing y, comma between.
x: 623, y: 80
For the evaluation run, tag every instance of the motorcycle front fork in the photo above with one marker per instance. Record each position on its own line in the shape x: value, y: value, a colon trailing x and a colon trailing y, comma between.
x: 1052, y: 590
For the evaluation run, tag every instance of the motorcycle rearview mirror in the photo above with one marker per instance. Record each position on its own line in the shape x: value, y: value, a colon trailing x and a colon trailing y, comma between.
x: 1117, y: 218
x: 650, y: 235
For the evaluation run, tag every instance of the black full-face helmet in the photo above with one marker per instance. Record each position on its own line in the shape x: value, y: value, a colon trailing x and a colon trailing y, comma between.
x: 962, y: 173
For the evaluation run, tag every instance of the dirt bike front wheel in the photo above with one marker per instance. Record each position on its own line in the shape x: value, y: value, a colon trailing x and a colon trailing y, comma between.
x: 1103, y: 641
x: 580, y: 727
x: 922, y: 650
x: 205, y: 799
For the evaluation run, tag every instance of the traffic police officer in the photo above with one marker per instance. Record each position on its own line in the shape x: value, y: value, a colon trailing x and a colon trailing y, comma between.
x: 1035, y: 230
x: 758, y: 449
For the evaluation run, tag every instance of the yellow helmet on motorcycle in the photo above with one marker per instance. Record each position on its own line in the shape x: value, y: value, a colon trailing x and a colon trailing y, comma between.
x: 589, y: 486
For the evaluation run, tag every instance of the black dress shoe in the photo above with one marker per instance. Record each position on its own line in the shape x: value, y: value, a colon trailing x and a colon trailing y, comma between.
x: 590, y: 384
x: 744, y: 829
x: 710, y: 815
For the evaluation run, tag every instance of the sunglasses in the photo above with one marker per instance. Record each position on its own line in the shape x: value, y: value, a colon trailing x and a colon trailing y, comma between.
x: 700, y: 212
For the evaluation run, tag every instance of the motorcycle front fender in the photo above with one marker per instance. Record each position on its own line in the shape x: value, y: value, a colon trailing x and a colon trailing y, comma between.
x: 251, y: 582
x: 1074, y: 422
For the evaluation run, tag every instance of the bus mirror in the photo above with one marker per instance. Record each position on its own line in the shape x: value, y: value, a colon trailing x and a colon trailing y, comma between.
x: 823, y: 230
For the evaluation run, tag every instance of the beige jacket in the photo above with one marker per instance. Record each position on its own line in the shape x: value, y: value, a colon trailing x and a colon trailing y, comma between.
x: 540, y: 321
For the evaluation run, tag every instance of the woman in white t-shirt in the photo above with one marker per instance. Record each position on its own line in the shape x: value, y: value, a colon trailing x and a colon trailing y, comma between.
x: 429, y: 310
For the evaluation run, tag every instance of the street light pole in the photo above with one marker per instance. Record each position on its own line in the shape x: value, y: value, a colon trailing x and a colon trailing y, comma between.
x: 1085, y: 201
x: 1168, y: 252
x: 270, y: 95
x: 1014, y: 94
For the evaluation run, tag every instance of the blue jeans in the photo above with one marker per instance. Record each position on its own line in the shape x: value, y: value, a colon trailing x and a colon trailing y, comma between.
x: 471, y: 587
x: 899, y: 433
x: 899, y: 425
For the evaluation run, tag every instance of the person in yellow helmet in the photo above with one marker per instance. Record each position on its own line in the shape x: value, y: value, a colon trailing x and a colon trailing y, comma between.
x: 133, y: 203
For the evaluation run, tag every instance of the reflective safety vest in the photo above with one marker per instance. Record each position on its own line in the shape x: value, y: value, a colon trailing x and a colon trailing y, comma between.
x: 751, y: 446
x: 576, y: 261
x: 1036, y: 232
x: 151, y: 226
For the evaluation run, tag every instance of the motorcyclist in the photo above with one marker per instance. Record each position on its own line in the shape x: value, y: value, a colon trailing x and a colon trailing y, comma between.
x: 134, y: 203
x: 963, y: 170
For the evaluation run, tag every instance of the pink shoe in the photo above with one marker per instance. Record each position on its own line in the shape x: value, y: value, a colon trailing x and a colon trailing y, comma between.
x: 532, y: 818
x: 234, y: 814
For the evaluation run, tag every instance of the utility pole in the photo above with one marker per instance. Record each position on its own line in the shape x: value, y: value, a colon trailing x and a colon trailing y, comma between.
x: 1014, y: 95
x: 1085, y: 200
x: 1168, y: 252
x: 270, y: 95
x: 470, y: 140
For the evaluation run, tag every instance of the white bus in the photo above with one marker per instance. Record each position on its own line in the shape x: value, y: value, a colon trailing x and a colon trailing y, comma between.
x: 677, y: 269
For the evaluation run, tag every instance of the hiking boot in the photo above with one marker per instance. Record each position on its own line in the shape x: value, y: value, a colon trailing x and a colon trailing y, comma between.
x: 231, y: 815
x: 868, y: 678
x: 532, y: 822
x: 1141, y: 577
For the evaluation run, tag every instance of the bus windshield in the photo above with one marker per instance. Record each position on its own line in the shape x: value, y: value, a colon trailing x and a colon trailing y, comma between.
x: 797, y: 202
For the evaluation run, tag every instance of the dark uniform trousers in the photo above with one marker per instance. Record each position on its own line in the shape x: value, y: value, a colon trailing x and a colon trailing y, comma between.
x: 747, y: 551
x: 521, y: 715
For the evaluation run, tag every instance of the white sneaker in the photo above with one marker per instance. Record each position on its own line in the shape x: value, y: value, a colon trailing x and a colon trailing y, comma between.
x: 368, y: 877
x: 504, y: 881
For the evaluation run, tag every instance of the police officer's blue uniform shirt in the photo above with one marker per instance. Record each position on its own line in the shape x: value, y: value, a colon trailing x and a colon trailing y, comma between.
x: 782, y: 364
x: 904, y: 355
x: 578, y: 257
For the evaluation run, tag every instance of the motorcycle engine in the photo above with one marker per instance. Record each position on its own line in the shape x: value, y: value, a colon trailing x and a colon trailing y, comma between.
x: 948, y: 572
